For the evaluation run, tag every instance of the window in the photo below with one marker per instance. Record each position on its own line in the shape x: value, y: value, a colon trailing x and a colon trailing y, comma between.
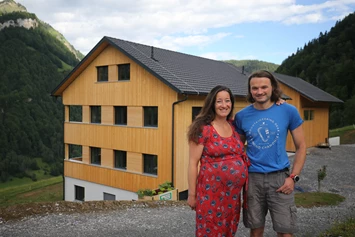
x: 95, y: 155
x: 79, y: 193
x: 195, y: 112
x: 95, y: 114
x: 75, y: 113
x: 121, y: 115
x: 108, y: 196
x: 151, y: 116
x: 124, y: 72
x: 308, y: 115
x: 75, y: 151
x: 121, y: 160
x: 102, y: 73
x: 150, y: 164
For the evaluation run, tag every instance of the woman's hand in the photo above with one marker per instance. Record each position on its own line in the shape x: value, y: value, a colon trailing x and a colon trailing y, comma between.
x: 280, y: 101
x: 191, y: 200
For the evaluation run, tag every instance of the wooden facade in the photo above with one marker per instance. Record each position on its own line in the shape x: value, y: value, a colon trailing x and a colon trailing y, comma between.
x: 315, y: 130
x: 141, y: 90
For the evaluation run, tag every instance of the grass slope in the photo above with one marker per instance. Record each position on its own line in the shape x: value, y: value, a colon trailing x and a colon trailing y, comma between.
x: 50, y: 189
x: 346, y: 134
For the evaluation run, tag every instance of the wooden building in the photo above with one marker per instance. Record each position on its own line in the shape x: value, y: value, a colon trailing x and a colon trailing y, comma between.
x: 128, y: 107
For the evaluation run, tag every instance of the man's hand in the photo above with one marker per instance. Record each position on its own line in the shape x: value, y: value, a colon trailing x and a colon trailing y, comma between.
x: 288, y: 186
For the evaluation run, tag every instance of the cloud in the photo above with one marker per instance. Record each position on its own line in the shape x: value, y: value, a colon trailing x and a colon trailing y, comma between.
x: 220, y: 55
x: 191, y: 40
x: 173, y: 24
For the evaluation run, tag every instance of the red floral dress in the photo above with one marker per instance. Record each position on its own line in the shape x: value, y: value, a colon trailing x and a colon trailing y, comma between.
x: 223, y: 173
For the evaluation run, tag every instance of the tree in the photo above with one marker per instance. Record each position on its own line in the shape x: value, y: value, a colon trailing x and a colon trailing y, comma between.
x: 350, y: 111
x: 328, y: 62
x: 31, y: 65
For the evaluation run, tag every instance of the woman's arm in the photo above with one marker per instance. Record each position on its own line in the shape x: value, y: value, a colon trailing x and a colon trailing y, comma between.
x: 195, y: 152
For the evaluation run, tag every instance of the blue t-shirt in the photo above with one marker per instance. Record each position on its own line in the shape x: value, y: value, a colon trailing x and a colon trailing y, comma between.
x: 266, y: 132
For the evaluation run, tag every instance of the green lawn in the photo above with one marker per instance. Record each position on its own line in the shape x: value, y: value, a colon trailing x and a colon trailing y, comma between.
x: 316, y: 199
x: 346, y: 134
x: 343, y: 229
x: 25, y: 190
x: 41, y: 174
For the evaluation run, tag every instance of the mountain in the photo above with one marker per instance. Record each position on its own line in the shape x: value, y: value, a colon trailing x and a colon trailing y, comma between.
x: 254, y: 65
x: 328, y: 62
x: 33, y: 60
x: 9, y: 6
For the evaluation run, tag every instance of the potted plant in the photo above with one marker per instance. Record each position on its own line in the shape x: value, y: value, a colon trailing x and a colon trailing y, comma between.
x: 165, y: 191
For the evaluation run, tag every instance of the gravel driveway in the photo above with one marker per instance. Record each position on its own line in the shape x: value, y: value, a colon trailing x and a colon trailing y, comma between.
x: 179, y: 220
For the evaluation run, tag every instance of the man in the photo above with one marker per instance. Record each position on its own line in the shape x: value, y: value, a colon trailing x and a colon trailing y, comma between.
x: 265, y: 126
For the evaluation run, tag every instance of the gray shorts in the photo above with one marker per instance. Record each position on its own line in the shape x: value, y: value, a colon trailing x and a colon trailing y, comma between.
x: 262, y: 197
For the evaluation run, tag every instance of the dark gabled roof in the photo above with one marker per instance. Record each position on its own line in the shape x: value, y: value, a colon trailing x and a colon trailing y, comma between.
x: 306, y: 89
x: 188, y: 74
x: 184, y: 73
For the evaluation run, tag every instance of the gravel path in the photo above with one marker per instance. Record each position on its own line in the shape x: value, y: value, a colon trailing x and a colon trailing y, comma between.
x: 179, y: 220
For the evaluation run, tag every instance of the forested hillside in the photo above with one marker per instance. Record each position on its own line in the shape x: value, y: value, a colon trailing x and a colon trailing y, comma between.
x: 253, y: 65
x: 32, y: 63
x: 329, y: 63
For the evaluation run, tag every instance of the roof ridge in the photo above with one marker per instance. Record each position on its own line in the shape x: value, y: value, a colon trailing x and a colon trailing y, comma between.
x: 157, y: 62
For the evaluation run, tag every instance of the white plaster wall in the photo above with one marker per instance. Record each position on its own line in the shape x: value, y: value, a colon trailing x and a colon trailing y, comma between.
x: 95, y: 192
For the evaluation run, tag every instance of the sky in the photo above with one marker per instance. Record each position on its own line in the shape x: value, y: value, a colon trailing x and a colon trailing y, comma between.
x: 265, y: 30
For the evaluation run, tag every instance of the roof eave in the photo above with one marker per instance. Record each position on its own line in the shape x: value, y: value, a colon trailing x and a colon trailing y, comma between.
x: 309, y: 97
x: 317, y: 100
x: 99, y: 47
x: 146, y: 67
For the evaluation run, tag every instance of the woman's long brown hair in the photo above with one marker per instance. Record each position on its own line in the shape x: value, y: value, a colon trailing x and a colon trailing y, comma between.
x: 208, y: 113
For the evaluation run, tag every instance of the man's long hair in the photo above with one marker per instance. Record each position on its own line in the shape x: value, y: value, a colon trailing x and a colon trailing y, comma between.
x: 276, y: 91
x: 208, y: 113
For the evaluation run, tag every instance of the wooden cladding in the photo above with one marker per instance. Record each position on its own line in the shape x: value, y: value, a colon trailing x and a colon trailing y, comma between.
x: 107, y: 115
x: 135, y: 116
x: 110, y: 177
x: 143, y: 89
x: 107, y: 158
x: 86, y: 114
x: 66, y: 113
x: 315, y: 130
x: 135, y: 162
x: 112, y: 73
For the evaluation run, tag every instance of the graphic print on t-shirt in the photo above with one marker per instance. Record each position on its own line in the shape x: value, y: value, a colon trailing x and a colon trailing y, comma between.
x: 263, y: 134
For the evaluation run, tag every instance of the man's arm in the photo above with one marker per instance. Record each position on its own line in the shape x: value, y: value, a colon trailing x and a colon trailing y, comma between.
x: 300, y: 158
x: 300, y: 155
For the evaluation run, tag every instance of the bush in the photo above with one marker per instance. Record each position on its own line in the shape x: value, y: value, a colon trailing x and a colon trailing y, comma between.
x: 164, y: 187
x: 145, y: 192
x: 34, y: 177
x: 321, y: 175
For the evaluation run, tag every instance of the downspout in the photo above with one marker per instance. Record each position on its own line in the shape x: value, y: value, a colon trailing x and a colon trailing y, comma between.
x: 172, y: 138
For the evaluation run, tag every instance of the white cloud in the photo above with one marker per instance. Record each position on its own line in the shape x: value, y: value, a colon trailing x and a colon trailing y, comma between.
x: 303, y: 19
x: 227, y: 56
x: 192, y: 40
x: 173, y: 23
